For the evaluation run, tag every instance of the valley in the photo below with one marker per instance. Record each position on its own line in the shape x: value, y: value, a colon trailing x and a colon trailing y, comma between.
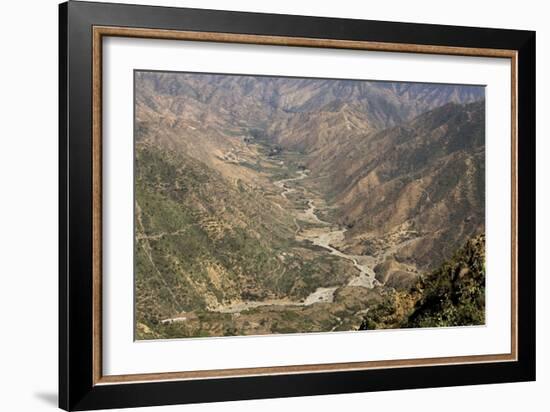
x: 271, y: 205
x: 301, y: 203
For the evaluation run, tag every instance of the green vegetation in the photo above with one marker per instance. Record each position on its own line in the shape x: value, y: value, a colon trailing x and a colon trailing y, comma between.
x: 201, y: 241
x: 452, y: 295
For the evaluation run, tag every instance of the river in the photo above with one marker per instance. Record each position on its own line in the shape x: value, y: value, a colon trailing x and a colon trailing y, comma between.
x: 324, y: 235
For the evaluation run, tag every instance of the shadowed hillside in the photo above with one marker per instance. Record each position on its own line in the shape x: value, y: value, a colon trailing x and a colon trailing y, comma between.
x: 452, y: 295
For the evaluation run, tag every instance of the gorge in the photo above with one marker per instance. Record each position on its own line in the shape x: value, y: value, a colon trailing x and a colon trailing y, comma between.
x: 284, y: 205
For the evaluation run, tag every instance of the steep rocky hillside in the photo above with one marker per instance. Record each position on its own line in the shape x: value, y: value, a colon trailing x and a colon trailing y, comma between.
x: 452, y: 295
x: 419, y: 186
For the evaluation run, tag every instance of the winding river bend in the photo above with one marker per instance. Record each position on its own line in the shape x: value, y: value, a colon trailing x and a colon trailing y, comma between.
x: 324, y: 235
x: 327, y: 234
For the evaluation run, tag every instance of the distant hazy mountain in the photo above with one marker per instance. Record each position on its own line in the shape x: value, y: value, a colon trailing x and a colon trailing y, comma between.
x: 276, y: 105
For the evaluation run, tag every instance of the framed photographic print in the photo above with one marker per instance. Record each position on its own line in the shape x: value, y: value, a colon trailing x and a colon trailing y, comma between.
x: 257, y: 205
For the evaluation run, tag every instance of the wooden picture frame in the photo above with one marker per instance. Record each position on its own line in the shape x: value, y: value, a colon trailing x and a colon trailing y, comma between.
x: 82, y: 384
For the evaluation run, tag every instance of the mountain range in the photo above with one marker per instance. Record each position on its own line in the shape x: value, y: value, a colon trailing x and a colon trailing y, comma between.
x: 239, y: 177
